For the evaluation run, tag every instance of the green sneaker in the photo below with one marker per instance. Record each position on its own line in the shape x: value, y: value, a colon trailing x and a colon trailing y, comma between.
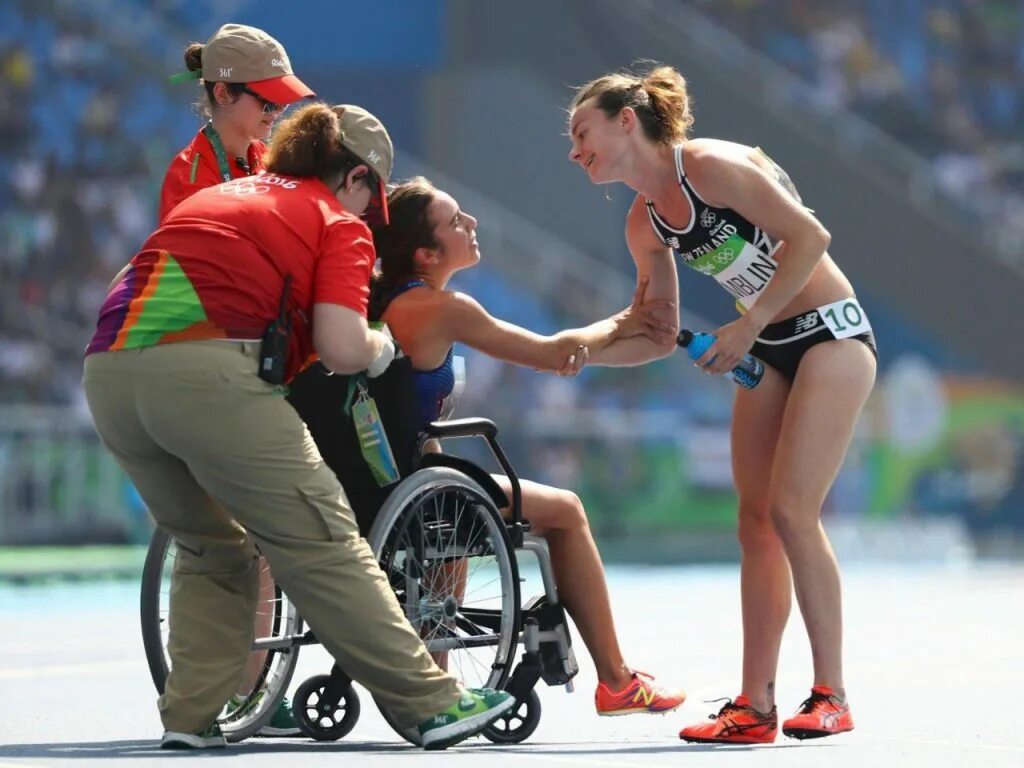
x: 211, y: 738
x: 282, y: 723
x: 240, y: 705
x: 474, y: 711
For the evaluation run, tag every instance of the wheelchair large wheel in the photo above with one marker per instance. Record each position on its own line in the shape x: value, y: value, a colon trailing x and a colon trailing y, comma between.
x: 444, y: 548
x: 258, y: 706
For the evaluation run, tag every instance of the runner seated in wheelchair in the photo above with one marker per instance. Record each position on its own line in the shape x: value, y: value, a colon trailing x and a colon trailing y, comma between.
x: 440, y: 538
x: 427, y: 240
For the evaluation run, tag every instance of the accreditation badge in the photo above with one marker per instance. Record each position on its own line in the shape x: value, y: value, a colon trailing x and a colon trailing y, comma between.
x: 373, y: 440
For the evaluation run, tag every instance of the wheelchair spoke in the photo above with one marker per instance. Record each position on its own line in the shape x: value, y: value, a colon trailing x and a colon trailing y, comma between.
x: 447, y: 559
x: 483, y: 586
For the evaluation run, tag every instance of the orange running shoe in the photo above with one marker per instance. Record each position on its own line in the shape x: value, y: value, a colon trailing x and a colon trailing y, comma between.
x: 822, y: 714
x: 736, y: 723
x: 641, y: 695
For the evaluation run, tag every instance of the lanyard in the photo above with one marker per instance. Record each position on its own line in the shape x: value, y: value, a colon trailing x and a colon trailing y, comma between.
x: 218, y: 151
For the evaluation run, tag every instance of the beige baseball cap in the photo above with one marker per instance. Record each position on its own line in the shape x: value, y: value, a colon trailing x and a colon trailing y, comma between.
x: 367, y: 138
x: 237, y: 53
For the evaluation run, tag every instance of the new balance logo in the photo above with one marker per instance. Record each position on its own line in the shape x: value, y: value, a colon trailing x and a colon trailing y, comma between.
x: 805, y: 323
x: 646, y: 694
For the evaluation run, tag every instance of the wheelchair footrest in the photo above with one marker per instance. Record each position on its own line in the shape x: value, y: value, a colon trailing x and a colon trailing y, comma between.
x: 548, y: 616
x: 549, y: 645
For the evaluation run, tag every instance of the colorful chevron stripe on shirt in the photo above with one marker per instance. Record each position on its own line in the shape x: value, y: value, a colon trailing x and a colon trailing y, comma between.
x: 154, y: 303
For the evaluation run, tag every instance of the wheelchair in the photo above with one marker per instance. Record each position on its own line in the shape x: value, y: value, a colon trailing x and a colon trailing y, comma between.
x: 449, y: 556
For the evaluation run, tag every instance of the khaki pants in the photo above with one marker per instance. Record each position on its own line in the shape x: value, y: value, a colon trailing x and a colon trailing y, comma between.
x: 224, y: 463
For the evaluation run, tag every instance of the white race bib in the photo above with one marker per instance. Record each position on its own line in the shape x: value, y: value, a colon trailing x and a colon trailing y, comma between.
x: 845, y: 318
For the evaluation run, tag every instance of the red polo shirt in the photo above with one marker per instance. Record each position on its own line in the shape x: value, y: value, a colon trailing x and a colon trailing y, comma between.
x: 195, y: 168
x: 215, y: 268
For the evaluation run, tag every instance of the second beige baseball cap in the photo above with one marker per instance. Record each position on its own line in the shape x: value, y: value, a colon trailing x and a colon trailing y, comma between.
x: 237, y: 53
x: 367, y: 138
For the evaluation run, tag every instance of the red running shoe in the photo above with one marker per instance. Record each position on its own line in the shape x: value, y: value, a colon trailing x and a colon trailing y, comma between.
x: 736, y: 723
x: 641, y: 695
x: 822, y: 714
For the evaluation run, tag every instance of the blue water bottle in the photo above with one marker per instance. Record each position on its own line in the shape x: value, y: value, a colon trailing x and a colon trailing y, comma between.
x: 747, y: 374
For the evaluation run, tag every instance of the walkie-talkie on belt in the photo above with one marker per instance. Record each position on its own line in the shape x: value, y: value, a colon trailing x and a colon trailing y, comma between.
x: 274, y: 346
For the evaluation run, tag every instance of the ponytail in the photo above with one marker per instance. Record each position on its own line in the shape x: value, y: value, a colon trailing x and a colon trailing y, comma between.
x: 207, y: 103
x: 194, y: 57
x: 670, y: 104
x: 659, y: 97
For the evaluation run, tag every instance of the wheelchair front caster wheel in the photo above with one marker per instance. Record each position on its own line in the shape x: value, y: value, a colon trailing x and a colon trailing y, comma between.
x: 320, y: 718
x: 516, y: 725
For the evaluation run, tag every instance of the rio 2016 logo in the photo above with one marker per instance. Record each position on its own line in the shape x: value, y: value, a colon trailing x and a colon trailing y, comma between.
x: 243, y: 188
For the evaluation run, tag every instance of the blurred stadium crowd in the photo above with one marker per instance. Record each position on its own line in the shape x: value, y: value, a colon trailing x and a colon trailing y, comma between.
x: 89, y: 122
x: 86, y: 142
x: 943, y: 77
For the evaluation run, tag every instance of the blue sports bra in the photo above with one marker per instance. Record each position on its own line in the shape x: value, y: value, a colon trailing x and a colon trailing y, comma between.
x: 433, y: 386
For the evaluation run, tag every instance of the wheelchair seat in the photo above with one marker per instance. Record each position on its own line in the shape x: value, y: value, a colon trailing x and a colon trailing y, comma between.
x: 320, y: 398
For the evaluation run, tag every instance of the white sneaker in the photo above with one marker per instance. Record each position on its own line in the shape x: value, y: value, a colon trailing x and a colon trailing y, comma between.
x: 211, y: 738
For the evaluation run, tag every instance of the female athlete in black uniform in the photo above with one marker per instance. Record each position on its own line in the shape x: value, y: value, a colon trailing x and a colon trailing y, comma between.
x: 732, y: 214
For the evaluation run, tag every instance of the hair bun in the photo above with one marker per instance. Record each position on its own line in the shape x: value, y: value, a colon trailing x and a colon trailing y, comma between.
x: 194, y: 57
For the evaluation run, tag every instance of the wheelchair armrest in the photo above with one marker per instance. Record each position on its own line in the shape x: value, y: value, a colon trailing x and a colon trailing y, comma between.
x: 485, y: 428
x: 462, y: 428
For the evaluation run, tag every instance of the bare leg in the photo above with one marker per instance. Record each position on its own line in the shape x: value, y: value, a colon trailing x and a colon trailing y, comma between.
x: 765, y: 585
x: 442, y: 580
x: 830, y: 390
x: 559, y: 516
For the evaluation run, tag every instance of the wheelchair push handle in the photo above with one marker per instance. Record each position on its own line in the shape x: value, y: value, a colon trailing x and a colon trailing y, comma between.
x: 487, y: 429
x: 476, y: 427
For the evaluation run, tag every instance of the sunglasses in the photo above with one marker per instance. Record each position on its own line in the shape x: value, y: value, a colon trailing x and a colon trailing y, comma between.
x: 376, y: 211
x: 269, y: 107
x: 371, y: 180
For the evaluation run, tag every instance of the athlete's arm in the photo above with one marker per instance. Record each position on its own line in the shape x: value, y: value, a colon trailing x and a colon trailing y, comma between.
x: 461, y: 318
x: 656, y: 265
x: 731, y: 179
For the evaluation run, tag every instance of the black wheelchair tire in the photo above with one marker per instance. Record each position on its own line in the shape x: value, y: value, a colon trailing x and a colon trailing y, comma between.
x: 516, y: 725
x: 149, y: 608
x: 313, y: 729
x: 235, y: 729
x: 420, y: 482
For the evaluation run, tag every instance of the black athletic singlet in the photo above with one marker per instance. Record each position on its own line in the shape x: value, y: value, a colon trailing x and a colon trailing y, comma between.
x: 720, y: 243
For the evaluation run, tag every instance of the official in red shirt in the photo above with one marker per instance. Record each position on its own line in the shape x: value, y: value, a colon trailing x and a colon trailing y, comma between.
x: 174, y: 381
x: 247, y: 82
